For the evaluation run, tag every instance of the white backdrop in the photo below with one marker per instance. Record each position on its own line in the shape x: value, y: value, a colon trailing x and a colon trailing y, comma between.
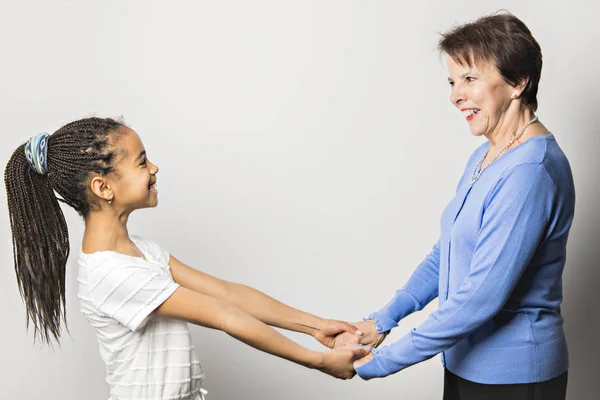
x: 306, y: 148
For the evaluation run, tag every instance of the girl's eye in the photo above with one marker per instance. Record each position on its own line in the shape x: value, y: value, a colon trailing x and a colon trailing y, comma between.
x: 470, y: 79
x: 451, y: 83
x: 143, y: 163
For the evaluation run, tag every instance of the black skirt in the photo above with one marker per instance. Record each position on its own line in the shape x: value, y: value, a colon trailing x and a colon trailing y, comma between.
x: 457, y: 388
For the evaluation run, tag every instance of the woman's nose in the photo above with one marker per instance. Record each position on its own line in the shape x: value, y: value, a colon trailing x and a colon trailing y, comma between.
x: 457, y: 96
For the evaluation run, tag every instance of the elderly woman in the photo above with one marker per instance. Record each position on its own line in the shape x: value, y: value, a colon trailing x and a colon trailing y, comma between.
x: 497, y: 266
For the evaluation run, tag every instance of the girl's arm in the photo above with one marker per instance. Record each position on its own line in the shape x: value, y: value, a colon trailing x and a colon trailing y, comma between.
x: 259, y: 305
x: 211, y: 312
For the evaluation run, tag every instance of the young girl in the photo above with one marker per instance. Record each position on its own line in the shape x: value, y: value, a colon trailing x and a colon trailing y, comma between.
x: 136, y: 295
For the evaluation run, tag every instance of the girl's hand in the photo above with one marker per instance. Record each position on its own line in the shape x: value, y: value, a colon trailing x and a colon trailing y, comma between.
x: 339, y: 362
x: 330, y: 329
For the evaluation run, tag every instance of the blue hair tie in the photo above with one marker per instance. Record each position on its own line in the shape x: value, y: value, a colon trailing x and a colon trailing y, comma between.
x: 36, y: 152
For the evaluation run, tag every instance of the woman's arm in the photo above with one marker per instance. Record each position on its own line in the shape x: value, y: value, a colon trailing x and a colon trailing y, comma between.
x: 212, y: 312
x: 420, y: 290
x: 259, y: 305
x: 513, y: 224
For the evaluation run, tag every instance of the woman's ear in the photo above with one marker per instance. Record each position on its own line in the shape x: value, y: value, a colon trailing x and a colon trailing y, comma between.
x: 100, y: 188
x: 520, y: 87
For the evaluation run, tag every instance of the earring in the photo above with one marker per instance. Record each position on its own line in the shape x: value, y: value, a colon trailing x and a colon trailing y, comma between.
x: 110, y: 201
x: 514, y: 96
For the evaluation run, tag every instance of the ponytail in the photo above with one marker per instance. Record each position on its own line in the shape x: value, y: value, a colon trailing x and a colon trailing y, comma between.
x: 40, y: 238
x: 40, y: 242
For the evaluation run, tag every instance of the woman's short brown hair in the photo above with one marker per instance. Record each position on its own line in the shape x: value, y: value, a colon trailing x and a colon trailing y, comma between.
x: 503, y: 40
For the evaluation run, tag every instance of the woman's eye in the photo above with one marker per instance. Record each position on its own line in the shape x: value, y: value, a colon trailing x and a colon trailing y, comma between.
x: 451, y: 83
x: 143, y: 163
x: 470, y: 79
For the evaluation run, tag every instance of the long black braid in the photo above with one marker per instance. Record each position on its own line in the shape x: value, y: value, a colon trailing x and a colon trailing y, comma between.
x: 39, y: 230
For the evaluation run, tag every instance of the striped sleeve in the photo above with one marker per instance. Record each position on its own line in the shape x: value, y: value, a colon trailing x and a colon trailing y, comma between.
x: 129, y: 291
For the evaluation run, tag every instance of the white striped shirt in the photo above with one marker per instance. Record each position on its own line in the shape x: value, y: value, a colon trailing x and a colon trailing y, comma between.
x: 146, y: 357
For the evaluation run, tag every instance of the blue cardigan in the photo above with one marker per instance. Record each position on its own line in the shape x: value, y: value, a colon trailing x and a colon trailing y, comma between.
x: 497, y: 272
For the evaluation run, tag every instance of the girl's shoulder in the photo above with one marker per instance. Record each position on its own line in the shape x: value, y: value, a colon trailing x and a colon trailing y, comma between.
x: 151, y: 248
x: 152, y: 252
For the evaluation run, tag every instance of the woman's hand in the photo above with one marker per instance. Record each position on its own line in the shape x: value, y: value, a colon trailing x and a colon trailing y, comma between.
x: 330, y: 329
x: 370, y: 337
x: 339, y: 362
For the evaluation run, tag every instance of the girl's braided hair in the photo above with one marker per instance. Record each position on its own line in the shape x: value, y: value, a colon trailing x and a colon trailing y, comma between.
x: 39, y: 231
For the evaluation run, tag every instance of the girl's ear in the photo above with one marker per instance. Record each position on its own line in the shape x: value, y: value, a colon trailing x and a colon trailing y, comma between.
x: 100, y: 188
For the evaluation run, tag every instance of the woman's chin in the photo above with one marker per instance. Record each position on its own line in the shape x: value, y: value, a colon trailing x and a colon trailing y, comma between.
x: 476, y: 132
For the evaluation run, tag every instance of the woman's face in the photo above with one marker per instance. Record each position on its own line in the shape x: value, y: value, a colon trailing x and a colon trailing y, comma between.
x: 481, y: 94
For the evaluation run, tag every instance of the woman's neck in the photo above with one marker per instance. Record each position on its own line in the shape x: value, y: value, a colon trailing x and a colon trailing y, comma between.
x: 511, y: 126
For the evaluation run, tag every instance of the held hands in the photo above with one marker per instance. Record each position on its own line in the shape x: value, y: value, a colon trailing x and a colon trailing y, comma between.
x: 339, y: 361
x: 343, y: 338
x: 330, y: 330
x: 370, y: 337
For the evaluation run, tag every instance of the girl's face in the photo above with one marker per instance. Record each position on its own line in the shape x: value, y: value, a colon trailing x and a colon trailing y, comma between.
x: 134, y: 185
